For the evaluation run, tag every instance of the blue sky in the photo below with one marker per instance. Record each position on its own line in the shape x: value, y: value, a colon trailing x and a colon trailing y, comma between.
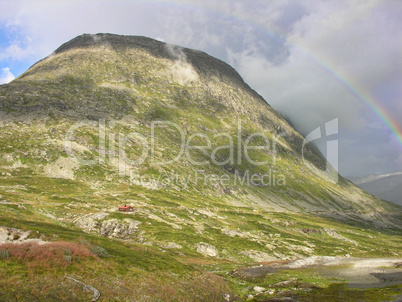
x: 10, y: 58
x: 284, y: 49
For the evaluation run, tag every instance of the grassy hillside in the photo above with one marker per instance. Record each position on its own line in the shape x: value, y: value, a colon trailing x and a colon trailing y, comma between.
x: 109, y: 120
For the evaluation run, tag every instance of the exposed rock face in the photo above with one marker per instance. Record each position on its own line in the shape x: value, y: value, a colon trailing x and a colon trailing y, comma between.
x: 4, y: 235
x: 112, y: 228
x: 88, y: 224
x: 170, y: 245
x: 258, y: 256
x: 100, y: 215
x: 259, y: 289
x: 207, y: 249
x: 117, y: 229
x: 13, y: 235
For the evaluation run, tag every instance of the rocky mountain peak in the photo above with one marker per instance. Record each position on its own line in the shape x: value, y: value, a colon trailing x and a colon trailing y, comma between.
x: 205, y: 64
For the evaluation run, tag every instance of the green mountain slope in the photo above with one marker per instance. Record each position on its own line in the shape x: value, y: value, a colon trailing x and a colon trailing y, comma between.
x: 109, y: 120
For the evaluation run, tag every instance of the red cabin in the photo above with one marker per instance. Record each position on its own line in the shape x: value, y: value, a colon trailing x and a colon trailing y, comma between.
x: 126, y: 209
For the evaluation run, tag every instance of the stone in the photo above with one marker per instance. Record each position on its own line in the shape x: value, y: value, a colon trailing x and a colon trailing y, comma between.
x: 171, y: 245
x: 258, y: 256
x: 259, y: 289
x: 207, y: 249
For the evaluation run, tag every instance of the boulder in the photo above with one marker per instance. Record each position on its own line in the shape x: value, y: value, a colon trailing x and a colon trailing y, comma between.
x: 207, y: 249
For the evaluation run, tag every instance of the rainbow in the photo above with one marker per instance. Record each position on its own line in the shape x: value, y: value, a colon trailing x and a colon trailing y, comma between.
x: 359, y: 93
x: 365, y: 97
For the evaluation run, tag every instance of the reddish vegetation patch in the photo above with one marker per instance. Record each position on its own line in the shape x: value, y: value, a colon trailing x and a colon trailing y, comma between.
x: 48, y: 255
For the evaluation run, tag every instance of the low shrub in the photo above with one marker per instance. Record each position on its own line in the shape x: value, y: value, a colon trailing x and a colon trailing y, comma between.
x: 48, y: 255
x: 4, y: 254
x: 99, y: 251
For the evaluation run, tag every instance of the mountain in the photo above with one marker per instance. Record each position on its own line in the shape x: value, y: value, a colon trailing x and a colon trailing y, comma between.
x: 384, y: 186
x: 216, y: 178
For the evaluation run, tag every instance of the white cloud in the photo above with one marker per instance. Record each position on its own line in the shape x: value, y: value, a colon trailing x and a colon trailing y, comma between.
x: 6, y: 76
x: 16, y: 52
